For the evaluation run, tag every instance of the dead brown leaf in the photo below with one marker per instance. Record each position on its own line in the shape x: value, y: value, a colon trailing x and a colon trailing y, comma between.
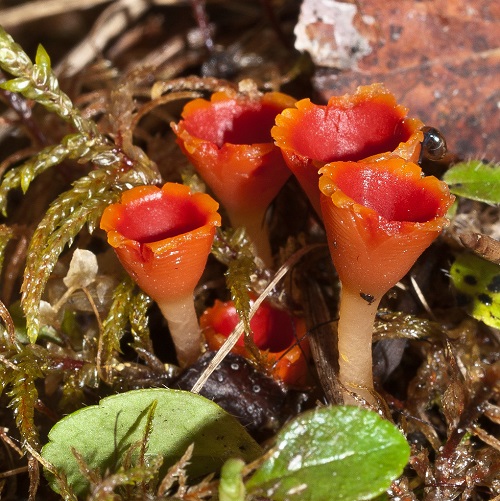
x: 441, y: 59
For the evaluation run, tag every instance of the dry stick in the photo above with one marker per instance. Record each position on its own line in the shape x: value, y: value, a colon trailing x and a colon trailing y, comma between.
x: 483, y: 245
x: 8, y: 441
x: 110, y: 23
x: 159, y: 101
x: 8, y: 322
x: 113, y: 21
x: 15, y: 471
x: 324, y: 352
x: 240, y: 328
x: 32, y: 11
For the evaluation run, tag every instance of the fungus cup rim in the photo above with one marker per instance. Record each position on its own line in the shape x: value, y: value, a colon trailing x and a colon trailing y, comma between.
x: 246, y: 102
x: 376, y: 92
x: 398, y: 169
x: 114, y: 213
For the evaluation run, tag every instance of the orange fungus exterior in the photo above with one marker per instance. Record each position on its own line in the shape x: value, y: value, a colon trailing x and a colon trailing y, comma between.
x: 162, y: 237
x: 350, y: 127
x: 228, y: 141
x: 379, y: 217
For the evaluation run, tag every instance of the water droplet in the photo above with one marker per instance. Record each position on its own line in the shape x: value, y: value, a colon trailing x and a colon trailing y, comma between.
x: 235, y: 366
x: 256, y: 388
x: 295, y: 463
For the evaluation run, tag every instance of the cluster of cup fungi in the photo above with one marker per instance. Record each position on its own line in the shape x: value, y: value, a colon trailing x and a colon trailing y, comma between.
x: 357, y: 160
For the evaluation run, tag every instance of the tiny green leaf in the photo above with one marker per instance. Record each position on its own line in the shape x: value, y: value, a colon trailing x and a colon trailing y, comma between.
x: 475, y: 180
x: 478, y: 284
x: 19, y: 84
x: 231, y: 486
x: 341, y: 453
x: 102, y: 434
x: 42, y: 58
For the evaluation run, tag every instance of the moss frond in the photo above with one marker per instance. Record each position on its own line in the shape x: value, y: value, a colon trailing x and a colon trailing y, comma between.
x: 64, y: 219
x: 39, y: 83
x: 73, y: 146
x: 391, y: 324
x: 233, y: 248
x: 116, y: 322
x: 73, y: 389
x: 6, y: 233
x: 135, y: 476
x: 139, y: 321
x: 24, y: 395
x: 13, y: 59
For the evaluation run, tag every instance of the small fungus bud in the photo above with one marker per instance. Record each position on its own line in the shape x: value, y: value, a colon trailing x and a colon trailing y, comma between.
x: 277, y: 334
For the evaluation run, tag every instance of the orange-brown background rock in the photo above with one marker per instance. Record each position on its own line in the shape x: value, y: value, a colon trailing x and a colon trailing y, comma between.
x: 440, y: 58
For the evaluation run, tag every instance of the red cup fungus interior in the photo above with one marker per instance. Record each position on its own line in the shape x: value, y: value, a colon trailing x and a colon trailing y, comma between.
x: 272, y: 328
x: 328, y: 133
x: 394, y: 197
x: 237, y: 122
x: 158, y: 216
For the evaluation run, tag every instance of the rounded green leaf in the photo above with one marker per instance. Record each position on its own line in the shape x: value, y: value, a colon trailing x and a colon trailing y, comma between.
x: 103, y: 434
x: 475, y: 180
x: 332, y: 453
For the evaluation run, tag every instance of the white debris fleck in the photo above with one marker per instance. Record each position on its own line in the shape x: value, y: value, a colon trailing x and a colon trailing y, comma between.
x: 326, y: 30
x: 82, y: 269
x: 297, y: 489
x: 295, y: 463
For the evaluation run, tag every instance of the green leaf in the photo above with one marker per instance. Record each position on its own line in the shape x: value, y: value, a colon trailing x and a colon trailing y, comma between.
x: 475, y: 180
x: 42, y: 58
x: 341, y: 453
x: 103, y: 434
x: 16, y: 84
x: 478, y: 284
x: 231, y: 486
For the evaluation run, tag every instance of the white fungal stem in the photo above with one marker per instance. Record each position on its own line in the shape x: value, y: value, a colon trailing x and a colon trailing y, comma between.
x: 355, y: 329
x: 184, y: 328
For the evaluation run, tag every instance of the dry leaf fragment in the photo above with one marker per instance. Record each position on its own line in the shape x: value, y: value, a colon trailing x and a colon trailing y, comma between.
x: 330, y: 32
x: 82, y: 269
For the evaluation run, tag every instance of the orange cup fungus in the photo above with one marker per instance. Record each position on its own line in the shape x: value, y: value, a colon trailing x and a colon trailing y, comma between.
x: 163, y: 238
x: 349, y: 128
x: 228, y: 141
x: 277, y: 334
x: 379, y: 215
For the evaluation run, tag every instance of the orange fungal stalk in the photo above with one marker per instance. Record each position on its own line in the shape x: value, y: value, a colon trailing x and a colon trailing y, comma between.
x: 163, y: 238
x: 229, y: 143
x: 348, y: 128
x: 379, y: 215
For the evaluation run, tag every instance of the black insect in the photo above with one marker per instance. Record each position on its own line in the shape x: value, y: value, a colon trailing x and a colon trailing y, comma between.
x: 433, y: 146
